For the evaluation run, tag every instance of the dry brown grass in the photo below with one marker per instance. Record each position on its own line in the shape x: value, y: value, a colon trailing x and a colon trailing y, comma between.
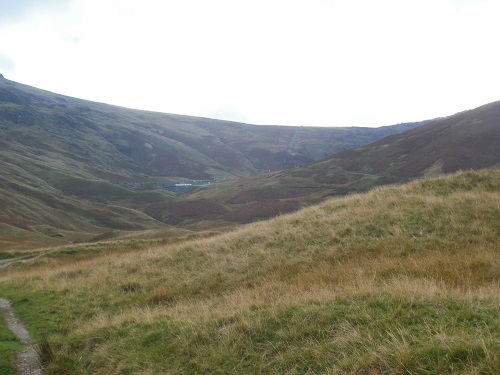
x: 369, y: 239
x: 421, y: 243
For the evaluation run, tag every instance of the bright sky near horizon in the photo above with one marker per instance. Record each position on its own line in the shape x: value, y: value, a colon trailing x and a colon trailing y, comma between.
x: 284, y: 62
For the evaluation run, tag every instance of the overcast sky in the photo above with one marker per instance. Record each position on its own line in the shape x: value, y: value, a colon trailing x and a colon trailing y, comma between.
x: 309, y: 62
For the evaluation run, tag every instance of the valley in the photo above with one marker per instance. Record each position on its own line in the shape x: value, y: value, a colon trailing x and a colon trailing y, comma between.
x: 136, y: 242
x: 76, y: 171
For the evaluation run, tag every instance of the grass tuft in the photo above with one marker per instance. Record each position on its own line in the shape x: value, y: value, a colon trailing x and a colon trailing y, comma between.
x: 44, y: 351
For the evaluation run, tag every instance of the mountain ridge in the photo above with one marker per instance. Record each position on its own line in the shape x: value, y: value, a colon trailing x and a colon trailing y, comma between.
x: 147, y: 140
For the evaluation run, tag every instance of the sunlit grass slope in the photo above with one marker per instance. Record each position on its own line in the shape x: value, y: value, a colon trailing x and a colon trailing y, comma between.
x: 398, y: 280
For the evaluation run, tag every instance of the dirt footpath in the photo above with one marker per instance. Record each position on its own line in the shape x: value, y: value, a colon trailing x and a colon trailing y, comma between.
x: 27, y: 361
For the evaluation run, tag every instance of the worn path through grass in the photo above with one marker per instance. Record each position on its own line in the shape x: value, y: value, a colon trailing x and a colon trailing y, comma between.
x: 27, y: 361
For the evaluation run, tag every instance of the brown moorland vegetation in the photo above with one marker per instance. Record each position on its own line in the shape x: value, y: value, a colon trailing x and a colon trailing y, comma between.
x: 466, y: 140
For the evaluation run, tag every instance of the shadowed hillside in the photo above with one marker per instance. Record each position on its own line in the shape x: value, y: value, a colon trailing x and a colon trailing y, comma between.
x: 399, y: 280
x: 110, y: 142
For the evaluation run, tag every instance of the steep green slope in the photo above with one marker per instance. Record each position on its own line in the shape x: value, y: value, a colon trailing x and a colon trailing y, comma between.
x: 399, y: 280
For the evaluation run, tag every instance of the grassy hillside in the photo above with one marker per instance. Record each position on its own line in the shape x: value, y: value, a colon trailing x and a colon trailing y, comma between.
x: 76, y: 168
x: 398, y: 280
x: 34, y: 213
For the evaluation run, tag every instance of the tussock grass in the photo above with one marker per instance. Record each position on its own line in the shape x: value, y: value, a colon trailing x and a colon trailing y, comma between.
x: 8, y: 346
x: 397, y: 280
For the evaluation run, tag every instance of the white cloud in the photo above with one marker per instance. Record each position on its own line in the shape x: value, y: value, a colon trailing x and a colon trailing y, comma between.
x: 314, y: 62
x: 7, y: 65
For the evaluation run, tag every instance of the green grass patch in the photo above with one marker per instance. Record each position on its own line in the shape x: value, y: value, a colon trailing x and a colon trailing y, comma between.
x: 382, y: 334
x: 12, y: 254
x: 375, y: 333
x: 9, y: 346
